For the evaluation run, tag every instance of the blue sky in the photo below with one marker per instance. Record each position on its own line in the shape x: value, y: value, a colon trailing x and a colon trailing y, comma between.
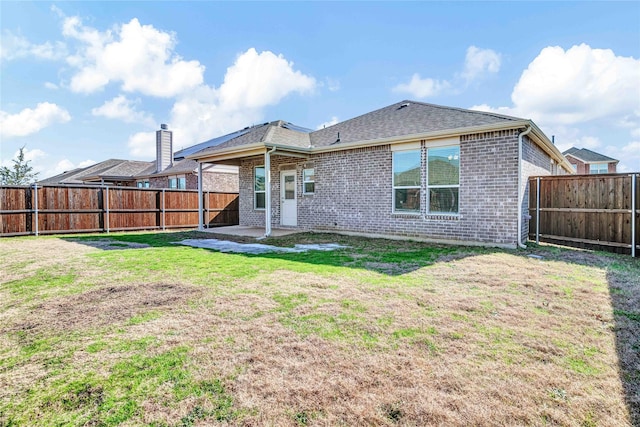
x: 82, y: 82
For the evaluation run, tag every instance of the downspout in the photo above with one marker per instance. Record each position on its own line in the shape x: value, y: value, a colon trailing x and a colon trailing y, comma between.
x: 267, y: 191
x: 520, y: 191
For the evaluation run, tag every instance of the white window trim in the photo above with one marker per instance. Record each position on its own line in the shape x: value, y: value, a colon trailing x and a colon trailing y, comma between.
x: 304, y: 181
x: 255, y: 207
x: 394, y: 187
x: 427, y: 193
x: 605, y: 165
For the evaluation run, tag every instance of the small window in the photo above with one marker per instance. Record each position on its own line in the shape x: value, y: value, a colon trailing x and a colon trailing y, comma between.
x: 598, y: 168
x: 308, y: 181
x: 259, y: 187
x: 443, y: 179
x: 406, y: 181
x: 178, y: 181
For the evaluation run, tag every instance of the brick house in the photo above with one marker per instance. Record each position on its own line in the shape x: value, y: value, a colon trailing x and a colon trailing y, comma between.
x: 169, y: 170
x: 411, y: 170
x: 586, y: 162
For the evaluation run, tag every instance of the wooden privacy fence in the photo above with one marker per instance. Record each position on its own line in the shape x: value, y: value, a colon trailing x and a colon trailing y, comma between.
x: 587, y: 211
x: 77, y: 209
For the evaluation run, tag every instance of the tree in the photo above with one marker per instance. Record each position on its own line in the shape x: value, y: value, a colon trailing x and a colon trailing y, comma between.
x: 20, y: 174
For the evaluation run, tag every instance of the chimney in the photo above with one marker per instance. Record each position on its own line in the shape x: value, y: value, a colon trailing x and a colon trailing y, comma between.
x: 164, y: 148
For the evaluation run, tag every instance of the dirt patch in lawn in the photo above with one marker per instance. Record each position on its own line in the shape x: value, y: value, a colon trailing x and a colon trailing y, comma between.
x: 104, y: 306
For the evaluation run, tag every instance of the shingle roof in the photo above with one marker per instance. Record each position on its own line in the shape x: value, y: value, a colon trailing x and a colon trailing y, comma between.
x: 108, y: 168
x: 403, y: 118
x: 277, y: 132
x: 179, y: 167
x: 588, y: 155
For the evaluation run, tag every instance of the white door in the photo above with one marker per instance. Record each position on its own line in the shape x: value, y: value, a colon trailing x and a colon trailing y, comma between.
x: 289, y: 205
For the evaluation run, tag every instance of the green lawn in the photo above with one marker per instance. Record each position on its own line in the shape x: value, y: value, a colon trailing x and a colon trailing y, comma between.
x: 131, y: 329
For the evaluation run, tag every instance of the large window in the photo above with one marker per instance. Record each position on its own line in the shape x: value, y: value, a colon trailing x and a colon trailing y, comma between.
x: 259, y: 187
x: 598, y: 168
x: 443, y: 179
x: 406, y: 181
x: 308, y: 181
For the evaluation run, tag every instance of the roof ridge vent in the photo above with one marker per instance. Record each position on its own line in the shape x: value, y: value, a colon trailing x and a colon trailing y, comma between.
x: 406, y: 104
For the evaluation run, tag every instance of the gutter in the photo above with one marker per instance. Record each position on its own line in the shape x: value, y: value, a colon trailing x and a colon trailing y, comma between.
x: 520, y: 191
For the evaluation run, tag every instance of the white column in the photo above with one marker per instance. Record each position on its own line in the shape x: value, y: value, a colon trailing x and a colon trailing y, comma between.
x: 267, y: 195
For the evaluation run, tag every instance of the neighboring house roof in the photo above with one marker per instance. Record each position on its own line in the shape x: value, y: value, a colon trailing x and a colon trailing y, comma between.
x: 125, y: 170
x: 402, y: 121
x: 588, y: 156
x: 109, y: 169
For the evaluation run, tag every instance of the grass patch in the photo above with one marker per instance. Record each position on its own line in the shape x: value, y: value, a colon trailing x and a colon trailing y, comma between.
x: 167, y: 335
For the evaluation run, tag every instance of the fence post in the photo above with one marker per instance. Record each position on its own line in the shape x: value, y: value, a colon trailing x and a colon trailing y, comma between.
x: 164, y: 204
x: 35, y: 203
x: 106, y: 210
x: 537, y: 210
x: 633, y: 214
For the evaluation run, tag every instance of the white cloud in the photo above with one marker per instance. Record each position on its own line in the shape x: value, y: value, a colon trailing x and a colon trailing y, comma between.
x: 479, y: 61
x: 142, y: 145
x: 140, y: 57
x: 253, y: 82
x: 260, y: 79
x: 578, y: 85
x: 581, y: 86
x: 14, y: 46
x: 51, y: 86
x: 422, y: 88
x: 331, y: 122
x: 124, y: 109
x: 30, y: 121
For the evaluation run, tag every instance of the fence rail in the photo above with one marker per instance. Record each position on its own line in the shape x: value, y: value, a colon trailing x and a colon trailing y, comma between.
x: 587, y: 211
x: 26, y: 210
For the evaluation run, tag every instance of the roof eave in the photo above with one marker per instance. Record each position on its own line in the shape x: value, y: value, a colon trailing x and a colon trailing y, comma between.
x: 550, y: 147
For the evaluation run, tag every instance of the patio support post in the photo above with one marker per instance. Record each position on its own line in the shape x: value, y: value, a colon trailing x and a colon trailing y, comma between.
x: 267, y: 195
x: 200, y: 204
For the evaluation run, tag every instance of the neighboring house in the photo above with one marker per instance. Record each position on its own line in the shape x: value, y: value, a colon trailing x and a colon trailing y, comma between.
x: 165, y: 172
x: 589, y: 162
x: 410, y: 169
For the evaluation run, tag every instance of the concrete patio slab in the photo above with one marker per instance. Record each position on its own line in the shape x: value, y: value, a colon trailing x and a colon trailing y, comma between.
x: 248, y: 231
